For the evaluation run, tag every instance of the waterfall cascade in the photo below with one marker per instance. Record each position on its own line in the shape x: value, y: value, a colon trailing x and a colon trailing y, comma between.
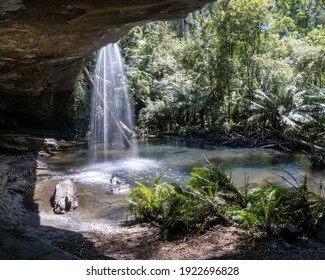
x: 111, y: 115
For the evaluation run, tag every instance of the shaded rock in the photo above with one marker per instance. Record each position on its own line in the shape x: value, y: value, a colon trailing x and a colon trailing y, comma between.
x: 320, y: 228
x: 25, y: 143
x: 50, y: 111
x: 11, y: 6
x: 31, y: 249
x: 44, y: 43
x: 65, y: 198
x: 8, y: 123
x: 289, y: 233
x: 18, y: 240
x: 3, y: 175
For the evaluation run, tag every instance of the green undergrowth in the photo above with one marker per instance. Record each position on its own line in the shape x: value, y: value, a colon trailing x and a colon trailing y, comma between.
x: 210, y: 197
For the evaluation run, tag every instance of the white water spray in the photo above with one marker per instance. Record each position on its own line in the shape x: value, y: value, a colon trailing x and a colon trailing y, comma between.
x: 111, y: 114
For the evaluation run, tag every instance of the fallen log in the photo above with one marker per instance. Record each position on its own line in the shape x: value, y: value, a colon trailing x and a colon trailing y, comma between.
x: 88, y: 77
x: 274, y: 145
x: 65, y: 198
x: 127, y: 130
x: 125, y: 139
x: 309, y: 145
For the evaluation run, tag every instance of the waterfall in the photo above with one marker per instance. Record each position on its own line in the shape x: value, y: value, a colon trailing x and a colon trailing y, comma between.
x: 111, y: 121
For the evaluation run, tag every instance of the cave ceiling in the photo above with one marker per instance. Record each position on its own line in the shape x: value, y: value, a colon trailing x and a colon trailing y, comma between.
x: 44, y: 43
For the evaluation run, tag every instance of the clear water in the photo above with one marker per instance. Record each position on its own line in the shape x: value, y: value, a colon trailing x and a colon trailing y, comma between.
x: 99, y: 200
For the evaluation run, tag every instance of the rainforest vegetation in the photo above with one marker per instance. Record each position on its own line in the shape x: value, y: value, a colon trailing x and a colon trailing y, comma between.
x: 210, y: 197
x: 249, y: 70
x: 244, y: 72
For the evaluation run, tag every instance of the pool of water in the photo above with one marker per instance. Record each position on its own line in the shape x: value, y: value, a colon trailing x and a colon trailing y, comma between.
x: 99, y: 200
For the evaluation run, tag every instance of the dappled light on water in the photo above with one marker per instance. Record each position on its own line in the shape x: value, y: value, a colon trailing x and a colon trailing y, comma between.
x: 101, y: 173
x: 102, y: 188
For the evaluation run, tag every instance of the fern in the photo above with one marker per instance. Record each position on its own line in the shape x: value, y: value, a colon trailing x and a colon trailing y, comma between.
x: 287, y: 109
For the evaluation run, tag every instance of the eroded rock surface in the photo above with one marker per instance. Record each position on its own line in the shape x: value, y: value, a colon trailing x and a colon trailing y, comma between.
x: 17, y: 241
x: 22, y: 238
x: 27, y: 143
x: 44, y: 44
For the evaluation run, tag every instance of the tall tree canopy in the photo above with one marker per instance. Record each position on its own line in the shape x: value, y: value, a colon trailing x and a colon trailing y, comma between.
x: 217, y: 67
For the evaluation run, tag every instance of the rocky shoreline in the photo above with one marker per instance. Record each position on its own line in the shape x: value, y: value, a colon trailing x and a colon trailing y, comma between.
x: 19, y: 238
x: 27, y: 233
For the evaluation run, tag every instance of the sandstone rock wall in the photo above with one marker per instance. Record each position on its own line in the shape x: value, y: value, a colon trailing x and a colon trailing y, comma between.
x: 52, y: 111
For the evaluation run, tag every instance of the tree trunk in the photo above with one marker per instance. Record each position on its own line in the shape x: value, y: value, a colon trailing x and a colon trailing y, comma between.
x: 202, y: 121
x: 187, y: 118
x: 88, y: 77
x: 182, y: 27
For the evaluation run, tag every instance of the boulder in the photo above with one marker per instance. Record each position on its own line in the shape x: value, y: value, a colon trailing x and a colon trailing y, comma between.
x: 65, y: 198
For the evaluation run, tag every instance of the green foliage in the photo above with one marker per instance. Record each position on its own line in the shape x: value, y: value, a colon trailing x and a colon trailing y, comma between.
x: 155, y: 77
x: 317, y: 158
x: 216, y: 183
x: 195, y: 206
x: 203, y: 74
x: 82, y: 104
x: 209, y: 193
x: 189, y: 131
x: 175, y: 208
x: 281, y: 110
x: 272, y: 206
x: 148, y: 203
x: 265, y: 209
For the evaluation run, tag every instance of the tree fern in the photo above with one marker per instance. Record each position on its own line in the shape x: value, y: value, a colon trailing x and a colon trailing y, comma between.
x: 287, y: 109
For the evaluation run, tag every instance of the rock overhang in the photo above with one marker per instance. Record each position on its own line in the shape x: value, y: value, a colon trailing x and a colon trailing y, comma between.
x: 43, y: 43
